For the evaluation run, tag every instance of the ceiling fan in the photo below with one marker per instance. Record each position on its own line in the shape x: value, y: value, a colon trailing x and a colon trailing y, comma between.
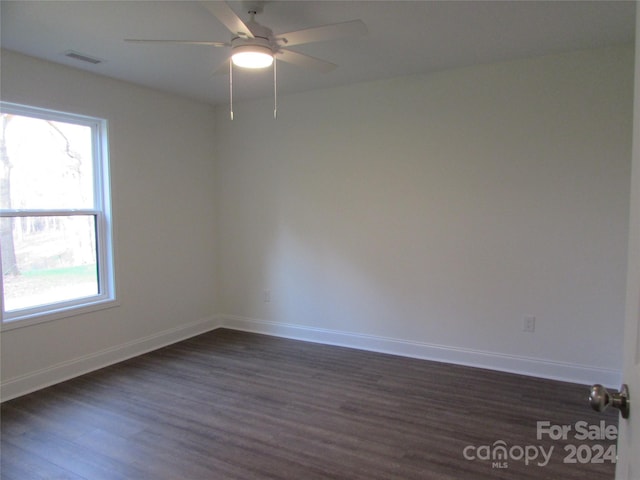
x: 256, y: 46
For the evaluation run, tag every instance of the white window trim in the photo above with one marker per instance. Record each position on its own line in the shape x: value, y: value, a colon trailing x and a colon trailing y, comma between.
x: 104, y: 227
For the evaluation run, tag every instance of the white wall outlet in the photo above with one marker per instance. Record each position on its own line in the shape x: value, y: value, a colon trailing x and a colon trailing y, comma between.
x: 529, y: 324
x: 266, y: 296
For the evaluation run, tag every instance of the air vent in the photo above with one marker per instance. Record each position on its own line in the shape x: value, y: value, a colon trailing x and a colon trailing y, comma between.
x: 82, y: 57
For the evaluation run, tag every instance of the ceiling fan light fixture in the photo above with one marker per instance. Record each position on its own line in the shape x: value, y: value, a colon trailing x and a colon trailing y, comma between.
x: 252, y: 56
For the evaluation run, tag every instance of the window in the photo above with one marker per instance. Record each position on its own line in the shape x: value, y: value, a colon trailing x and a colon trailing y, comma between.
x: 55, y: 223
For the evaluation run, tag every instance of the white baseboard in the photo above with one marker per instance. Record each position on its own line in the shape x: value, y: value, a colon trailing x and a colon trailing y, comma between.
x: 567, y: 372
x: 583, y: 374
x: 46, y: 377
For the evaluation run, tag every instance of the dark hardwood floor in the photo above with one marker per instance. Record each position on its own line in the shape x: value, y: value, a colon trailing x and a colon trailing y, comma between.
x: 233, y: 405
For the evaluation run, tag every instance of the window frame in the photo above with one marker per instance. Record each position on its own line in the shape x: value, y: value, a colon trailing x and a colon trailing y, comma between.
x: 101, y: 212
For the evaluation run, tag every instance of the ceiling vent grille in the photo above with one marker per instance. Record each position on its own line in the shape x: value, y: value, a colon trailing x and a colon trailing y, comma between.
x: 82, y: 57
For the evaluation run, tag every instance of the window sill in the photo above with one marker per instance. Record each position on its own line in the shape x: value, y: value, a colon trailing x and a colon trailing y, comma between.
x: 53, y: 314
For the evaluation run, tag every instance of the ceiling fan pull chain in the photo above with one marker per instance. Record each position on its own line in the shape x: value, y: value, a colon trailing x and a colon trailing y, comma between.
x: 275, y: 88
x: 231, y: 89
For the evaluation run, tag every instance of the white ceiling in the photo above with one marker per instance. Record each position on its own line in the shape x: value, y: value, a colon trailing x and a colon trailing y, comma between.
x: 405, y: 37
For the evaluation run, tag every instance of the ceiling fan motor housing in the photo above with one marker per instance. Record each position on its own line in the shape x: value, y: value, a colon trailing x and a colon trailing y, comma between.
x: 261, y: 42
x: 239, y: 44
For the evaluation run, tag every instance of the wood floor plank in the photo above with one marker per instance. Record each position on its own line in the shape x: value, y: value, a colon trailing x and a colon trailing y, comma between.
x: 20, y: 465
x: 235, y: 405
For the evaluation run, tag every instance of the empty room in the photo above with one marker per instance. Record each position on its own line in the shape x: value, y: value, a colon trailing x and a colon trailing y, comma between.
x: 319, y: 240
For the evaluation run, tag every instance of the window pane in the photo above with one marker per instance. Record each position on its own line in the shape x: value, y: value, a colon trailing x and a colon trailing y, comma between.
x: 48, y: 260
x: 50, y: 164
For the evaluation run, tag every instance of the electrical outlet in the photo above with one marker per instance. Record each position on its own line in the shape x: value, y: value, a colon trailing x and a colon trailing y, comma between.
x: 529, y: 324
x: 266, y: 296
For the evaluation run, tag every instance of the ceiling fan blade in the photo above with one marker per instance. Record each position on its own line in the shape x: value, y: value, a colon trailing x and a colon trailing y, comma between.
x: 325, y: 32
x: 223, y: 12
x: 178, y: 42
x: 306, y: 61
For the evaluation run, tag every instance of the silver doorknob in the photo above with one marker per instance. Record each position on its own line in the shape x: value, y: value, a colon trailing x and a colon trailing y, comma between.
x: 600, y: 399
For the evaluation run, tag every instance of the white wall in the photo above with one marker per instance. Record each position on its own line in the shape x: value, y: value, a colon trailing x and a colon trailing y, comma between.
x: 423, y: 215
x: 161, y: 156
x: 427, y: 215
